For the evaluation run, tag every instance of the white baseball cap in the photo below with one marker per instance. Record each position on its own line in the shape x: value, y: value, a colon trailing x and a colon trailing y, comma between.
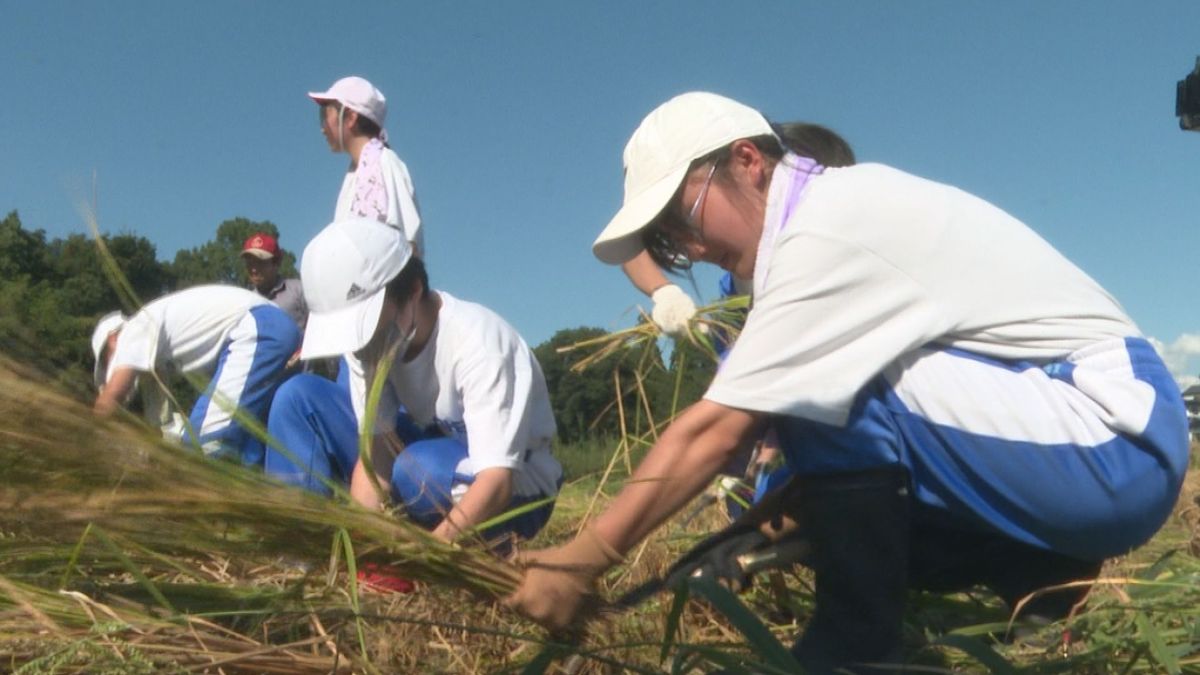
x: 358, y: 95
x: 657, y: 158
x: 113, y: 321
x: 345, y: 270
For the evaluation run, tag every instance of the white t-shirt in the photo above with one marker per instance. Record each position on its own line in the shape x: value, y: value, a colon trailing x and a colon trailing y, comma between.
x: 475, y: 379
x: 873, y: 263
x: 182, y: 331
x: 402, y: 211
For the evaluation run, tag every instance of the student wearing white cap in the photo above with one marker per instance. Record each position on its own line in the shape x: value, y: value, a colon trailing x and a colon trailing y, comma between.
x: 673, y: 308
x: 960, y: 403
x: 235, y: 336
x: 474, y: 438
x: 377, y: 184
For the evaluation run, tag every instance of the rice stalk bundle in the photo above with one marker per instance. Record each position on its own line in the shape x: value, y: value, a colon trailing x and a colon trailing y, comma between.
x: 721, y: 319
x: 712, y: 325
x: 62, y: 472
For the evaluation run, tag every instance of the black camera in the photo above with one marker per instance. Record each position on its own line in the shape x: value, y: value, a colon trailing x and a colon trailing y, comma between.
x: 1187, y: 100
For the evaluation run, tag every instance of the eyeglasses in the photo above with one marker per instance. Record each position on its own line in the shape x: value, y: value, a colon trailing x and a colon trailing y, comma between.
x: 691, y: 216
x: 671, y: 231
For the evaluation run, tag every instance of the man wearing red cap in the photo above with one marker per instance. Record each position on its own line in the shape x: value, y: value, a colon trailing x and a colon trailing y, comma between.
x: 262, y: 257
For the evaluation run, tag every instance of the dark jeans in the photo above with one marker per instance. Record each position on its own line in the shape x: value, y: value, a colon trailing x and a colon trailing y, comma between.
x: 946, y: 558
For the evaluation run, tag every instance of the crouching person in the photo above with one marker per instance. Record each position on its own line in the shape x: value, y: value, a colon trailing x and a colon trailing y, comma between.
x: 472, y: 438
x: 959, y: 403
x: 238, y: 337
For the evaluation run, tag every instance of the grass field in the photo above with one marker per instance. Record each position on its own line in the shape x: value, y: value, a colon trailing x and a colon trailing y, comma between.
x: 120, y: 555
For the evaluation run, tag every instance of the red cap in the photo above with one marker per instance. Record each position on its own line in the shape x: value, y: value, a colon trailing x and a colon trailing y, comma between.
x: 261, y: 245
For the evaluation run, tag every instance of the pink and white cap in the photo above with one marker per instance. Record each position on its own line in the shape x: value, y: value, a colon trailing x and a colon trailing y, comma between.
x: 345, y: 270
x: 357, y: 94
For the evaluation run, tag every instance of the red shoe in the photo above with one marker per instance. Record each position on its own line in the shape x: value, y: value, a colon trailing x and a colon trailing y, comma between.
x: 382, y: 578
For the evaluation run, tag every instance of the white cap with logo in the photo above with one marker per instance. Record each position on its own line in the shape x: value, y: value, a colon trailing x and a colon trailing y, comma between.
x: 358, y: 95
x: 345, y: 270
x: 657, y: 158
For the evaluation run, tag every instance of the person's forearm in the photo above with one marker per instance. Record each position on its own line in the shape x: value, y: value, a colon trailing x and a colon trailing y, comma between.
x: 105, y: 405
x: 644, y: 273
x: 115, y: 391
x: 383, y: 454
x: 487, y: 497
x: 361, y: 489
x: 679, y: 466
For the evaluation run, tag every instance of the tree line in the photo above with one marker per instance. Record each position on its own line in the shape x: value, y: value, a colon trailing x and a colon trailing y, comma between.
x: 52, y: 291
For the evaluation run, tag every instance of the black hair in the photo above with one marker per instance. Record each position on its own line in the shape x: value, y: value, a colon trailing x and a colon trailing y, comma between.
x: 811, y: 140
x: 362, y: 124
x: 401, y: 287
x: 366, y: 127
x: 820, y: 143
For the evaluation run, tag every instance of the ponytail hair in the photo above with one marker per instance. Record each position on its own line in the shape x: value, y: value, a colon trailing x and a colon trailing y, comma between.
x: 815, y: 141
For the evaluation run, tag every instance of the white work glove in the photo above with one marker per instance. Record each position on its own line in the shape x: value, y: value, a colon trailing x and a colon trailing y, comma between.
x: 174, y: 429
x: 672, y: 309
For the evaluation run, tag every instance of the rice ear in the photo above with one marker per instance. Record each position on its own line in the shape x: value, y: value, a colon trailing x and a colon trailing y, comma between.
x: 62, y: 470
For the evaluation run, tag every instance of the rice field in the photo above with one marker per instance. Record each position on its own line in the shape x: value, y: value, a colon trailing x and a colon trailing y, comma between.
x: 119, y: 554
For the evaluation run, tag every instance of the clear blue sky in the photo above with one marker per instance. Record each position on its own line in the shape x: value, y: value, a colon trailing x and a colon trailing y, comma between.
x: 512, y: 116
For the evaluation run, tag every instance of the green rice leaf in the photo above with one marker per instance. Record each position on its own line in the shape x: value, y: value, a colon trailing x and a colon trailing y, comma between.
x: 978, y: 650
x: 136, y: 572
x: 542, y: 661
x: 760, y: 639
x: 512, y: 513
x: 352, y: 580
x: 1158, y: 646
x: 66, y: 576
x: 672, y: 628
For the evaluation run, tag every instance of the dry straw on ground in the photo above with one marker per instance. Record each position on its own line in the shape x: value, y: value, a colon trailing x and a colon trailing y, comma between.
x: 120, y: 554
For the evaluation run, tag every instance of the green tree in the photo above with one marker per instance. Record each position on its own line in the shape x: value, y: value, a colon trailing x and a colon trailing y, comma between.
x: 689, y: 373
x: 20, y: 249
x: 583, y: 402
x: 33, y: 329
x: 76, y: 267
x: 219, y: 261
x: 51, y: 294
x: 81, y: 288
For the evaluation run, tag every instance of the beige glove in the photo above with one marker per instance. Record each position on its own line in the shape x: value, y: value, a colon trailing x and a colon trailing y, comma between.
x: 559, y: 580
x: 672, y: 309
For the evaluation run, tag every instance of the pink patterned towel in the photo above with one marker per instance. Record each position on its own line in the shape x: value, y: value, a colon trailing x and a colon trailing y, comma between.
x: 370, y: 194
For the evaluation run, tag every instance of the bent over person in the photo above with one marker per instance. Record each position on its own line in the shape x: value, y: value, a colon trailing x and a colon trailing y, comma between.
x: 960, y: 403
x: 472, y: 439
x: 239, y: 338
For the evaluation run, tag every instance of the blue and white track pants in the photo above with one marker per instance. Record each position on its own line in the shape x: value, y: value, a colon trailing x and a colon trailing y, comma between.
x: 1084, y: 456
x: 252, y: 363
x: 312, y: 418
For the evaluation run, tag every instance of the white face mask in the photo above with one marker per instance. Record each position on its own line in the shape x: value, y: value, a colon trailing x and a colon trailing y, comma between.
x: 394, y: 343
x: 406, y: 340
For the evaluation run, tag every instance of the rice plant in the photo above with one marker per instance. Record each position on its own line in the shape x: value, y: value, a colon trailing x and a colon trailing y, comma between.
x: 120, y: 553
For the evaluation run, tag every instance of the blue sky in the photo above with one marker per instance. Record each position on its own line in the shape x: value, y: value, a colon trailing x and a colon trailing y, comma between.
x: 512, y: 116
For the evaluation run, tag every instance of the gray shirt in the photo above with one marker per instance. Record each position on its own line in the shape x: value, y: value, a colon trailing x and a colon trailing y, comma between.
x: 288, y: 294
